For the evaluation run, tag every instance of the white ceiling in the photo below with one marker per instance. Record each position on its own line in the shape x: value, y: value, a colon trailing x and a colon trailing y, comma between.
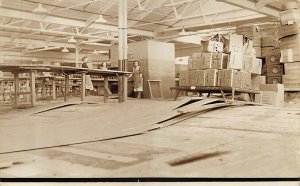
x: 158, y: 19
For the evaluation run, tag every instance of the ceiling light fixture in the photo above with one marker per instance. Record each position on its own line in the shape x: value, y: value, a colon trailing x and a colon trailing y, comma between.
x: 100, y: 19
x: 72, y: 40
x: 183, y: 32
x: 64, y: 50
x: 40, y: 10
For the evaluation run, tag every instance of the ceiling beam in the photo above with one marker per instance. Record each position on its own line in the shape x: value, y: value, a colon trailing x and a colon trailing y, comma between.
x: 66, y: 21
x: 146, y: 12
x: 249, y: 5
x: 40, y: 43
x: 54, y: 33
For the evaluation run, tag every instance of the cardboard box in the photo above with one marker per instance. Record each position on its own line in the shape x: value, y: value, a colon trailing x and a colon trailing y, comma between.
x: 272, y: 94
x: 292, y: 68
x: 248, y: 48
x: 245, y: 80
x: 184, y: 78
x: 192, y: 64
x: 289, y: 17
x: 257, y: 41
x: 211, y: 77
x: 256, y: 81
x: 248, y: 31
x: 247, y: 63
x: 269, y: 42
x: 289, y: 47
x: 213, y: 61
x: 274, y: 79
x: 197, y: 56
x: 197, y: 77
x: 288, y: 30
x: 275, y: 70
x: 290, y: 55
x: 269, y: 31
x: 235, y: 60
x: 256, y: 67
x: 229, y: 78
x: 235, y: 43
x: 291, y: 82
x: 273, y: 59
x: 267, y: 51
x: 212, y: 46
x: 257, y: 51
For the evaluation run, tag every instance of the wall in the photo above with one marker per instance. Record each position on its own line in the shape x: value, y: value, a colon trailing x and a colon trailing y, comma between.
x: 186, y: 51
x: 156, y: 58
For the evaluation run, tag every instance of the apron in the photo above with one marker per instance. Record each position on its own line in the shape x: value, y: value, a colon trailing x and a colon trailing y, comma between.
x: 138, y: 79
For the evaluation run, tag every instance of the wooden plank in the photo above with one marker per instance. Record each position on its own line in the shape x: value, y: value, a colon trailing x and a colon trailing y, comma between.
x: 155, y: 89
x: 198, y: 105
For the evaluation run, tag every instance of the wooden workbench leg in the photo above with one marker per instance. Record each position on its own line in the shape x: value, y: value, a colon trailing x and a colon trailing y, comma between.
x: 252, y: 96
x: 223, y: 94
x: 53, y: 89
x: 233, y: 92
x: 17, y: 88
x: 105, y: 89
x: 67, y: 83
x: 32, y: 89
x: 82, y: 93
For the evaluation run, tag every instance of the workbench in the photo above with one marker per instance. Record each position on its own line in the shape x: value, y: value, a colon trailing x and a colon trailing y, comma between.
x: 213, y: 89
x: 67, y: 71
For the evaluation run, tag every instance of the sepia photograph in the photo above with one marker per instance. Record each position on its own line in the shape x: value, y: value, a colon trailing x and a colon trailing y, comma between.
x: 201, y: 92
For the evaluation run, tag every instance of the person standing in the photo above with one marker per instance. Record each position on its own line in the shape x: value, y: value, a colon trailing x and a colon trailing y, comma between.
x: 88, y: 81
x: 137, y: 79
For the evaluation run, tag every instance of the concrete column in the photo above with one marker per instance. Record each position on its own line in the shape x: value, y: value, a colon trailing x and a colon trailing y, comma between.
x: 123, y: 47
x: 17, y: 88
x: 32, y: 89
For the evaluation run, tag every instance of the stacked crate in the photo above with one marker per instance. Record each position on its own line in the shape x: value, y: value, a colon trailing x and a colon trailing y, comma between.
x: 289, y: 34
x: 272, y: 68
x: 221, y: 63
x: 252, y: 58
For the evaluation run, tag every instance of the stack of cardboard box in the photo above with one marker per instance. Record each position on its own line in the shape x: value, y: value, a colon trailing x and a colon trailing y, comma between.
x: 222, y: 63
x: 252, y: 33
x: 272, y: 67
x: 289, y: 34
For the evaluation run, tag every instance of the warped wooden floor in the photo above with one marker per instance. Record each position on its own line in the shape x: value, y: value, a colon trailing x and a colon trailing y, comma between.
x: 248, y: 141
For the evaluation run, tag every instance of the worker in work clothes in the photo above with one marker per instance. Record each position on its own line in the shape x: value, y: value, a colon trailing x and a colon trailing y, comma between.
x: 137, y: 79
x: 88, y: 81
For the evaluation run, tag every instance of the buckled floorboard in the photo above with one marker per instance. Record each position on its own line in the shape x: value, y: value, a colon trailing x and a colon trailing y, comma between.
x: 249, y: 141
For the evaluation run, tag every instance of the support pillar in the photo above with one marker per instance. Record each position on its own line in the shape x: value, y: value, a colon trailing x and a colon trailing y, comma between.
x: 17, y: 88
x: 32, y: 89
x: 122, y: 27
